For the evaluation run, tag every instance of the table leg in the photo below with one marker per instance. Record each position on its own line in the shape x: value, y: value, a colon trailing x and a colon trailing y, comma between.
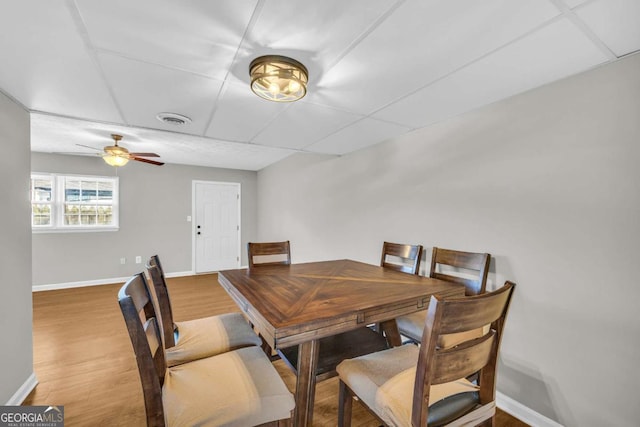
x: 390, y: 328
x: 306, y: 383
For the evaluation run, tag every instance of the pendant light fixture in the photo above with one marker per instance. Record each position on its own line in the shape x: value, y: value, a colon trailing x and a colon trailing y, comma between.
x: 278, y: 78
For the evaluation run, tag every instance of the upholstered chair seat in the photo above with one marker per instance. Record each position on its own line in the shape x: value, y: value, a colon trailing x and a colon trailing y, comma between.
x: 209, y: 336
x: 411, y: 325
x: 191, y: 340
x: 384, y: 381
x: 238, y: 388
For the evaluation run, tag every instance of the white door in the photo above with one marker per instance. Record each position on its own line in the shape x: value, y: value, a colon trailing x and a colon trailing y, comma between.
x: 216, y: 226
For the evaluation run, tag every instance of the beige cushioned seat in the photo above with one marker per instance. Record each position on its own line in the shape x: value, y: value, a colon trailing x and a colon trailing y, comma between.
x: 210, y: 336
x: 384, y: 381
x: 249, y: 391
x: 413, y: 325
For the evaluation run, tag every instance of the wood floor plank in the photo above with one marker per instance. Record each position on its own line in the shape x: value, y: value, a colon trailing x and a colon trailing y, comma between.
x: 83, y: 358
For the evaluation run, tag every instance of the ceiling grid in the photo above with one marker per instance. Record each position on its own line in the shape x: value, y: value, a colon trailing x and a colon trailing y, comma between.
x: 377, y: 68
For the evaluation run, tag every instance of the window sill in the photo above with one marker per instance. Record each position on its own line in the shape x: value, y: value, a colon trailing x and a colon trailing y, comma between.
x: 73, y: 230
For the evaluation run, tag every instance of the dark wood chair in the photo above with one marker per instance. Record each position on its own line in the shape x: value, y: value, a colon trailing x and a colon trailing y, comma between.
x: 269, y: 253
x: 466, y: 268
x: 404, y: 258
x: 399, y: 257
x: 198, y: 338
x: 427, y: 385
x: 262, y: 254
x: 239, y: 387
x: 477, y: 264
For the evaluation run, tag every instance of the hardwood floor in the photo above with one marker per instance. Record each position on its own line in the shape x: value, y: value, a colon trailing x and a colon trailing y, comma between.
x: 84, y: 360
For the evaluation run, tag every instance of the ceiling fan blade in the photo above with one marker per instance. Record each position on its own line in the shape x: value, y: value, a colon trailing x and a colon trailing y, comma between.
x: 77, y: 154
x: 144, y: 154
x: 86, y: 146
x: 140, y: 159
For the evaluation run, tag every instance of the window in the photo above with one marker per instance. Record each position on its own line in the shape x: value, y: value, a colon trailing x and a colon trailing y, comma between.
x: 73, y: 203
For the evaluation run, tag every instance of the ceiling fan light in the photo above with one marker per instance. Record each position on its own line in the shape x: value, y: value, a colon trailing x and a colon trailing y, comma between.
x: 116, y: 150
x: 278, y: 78
x: 113, y: 160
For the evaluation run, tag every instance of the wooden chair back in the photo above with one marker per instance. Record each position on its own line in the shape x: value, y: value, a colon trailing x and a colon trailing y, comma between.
x: 156, y: 274
x: 477, y: 263
x: 410, y: 257
x: 269, y: 253
x: 441, y: 365
x: 142, y: 324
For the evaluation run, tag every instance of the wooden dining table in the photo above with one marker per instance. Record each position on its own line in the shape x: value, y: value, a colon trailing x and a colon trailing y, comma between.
x: 302, y: 304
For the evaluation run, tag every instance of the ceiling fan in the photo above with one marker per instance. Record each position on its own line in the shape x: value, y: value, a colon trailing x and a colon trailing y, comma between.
x: 116, y: 155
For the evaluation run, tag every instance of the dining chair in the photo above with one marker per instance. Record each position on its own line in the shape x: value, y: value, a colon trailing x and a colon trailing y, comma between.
x: 427, y: 385
x: 198, y: 338
x: 400, y: 257
x: 239, y: 388
x: 265, y: 254
x: 466, y: 268
x: 269, y: 253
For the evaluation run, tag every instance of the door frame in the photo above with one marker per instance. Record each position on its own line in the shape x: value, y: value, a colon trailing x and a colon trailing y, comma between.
x: 193, y: 219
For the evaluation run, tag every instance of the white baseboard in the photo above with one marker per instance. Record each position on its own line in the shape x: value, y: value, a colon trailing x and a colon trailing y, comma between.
x: 24, y: 390
x: 179, y: 274
x: 523, y: 413
x: 68, y: 285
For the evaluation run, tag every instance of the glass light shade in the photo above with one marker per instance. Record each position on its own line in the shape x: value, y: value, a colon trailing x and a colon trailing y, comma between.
x: 113, y: 160
x: 115, y: 155
x: 278, y: 78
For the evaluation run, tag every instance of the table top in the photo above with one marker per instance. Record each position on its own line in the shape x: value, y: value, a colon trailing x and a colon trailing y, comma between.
x: 290, y: 304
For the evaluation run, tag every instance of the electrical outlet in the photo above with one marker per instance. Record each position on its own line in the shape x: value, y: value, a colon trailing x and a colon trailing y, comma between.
x: 138, y: 259
x: 123, y: 260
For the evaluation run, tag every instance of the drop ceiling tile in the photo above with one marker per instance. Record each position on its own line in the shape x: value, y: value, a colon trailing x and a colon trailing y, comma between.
x: 420, y: 42
x: 240, y: 114
x: 313, y: 32
x: 60, y: 135
x: 555, y: 51
x: 615, y: 22
x: 361, y: 134
x: 201, y: 36
x: 45, y: 64
x: 574, y: 3
x: 302, y: 124
x: 143, y: 90
x: 199, y: 151
x: 63, y: 135
x: 228, y: 155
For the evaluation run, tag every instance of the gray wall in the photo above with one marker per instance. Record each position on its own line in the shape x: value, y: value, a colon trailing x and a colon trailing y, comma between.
x: 154, y: 205
x: 548, y: 182
x: 16, y: 351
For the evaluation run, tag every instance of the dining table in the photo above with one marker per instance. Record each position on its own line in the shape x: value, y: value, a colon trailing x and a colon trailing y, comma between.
x: 300, y: 306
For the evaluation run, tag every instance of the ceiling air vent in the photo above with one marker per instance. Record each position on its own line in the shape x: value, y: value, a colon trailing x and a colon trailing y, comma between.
x: 173, y: 119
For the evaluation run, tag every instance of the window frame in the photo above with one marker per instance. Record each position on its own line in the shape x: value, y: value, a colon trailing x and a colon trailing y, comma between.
x: 58, y: 202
